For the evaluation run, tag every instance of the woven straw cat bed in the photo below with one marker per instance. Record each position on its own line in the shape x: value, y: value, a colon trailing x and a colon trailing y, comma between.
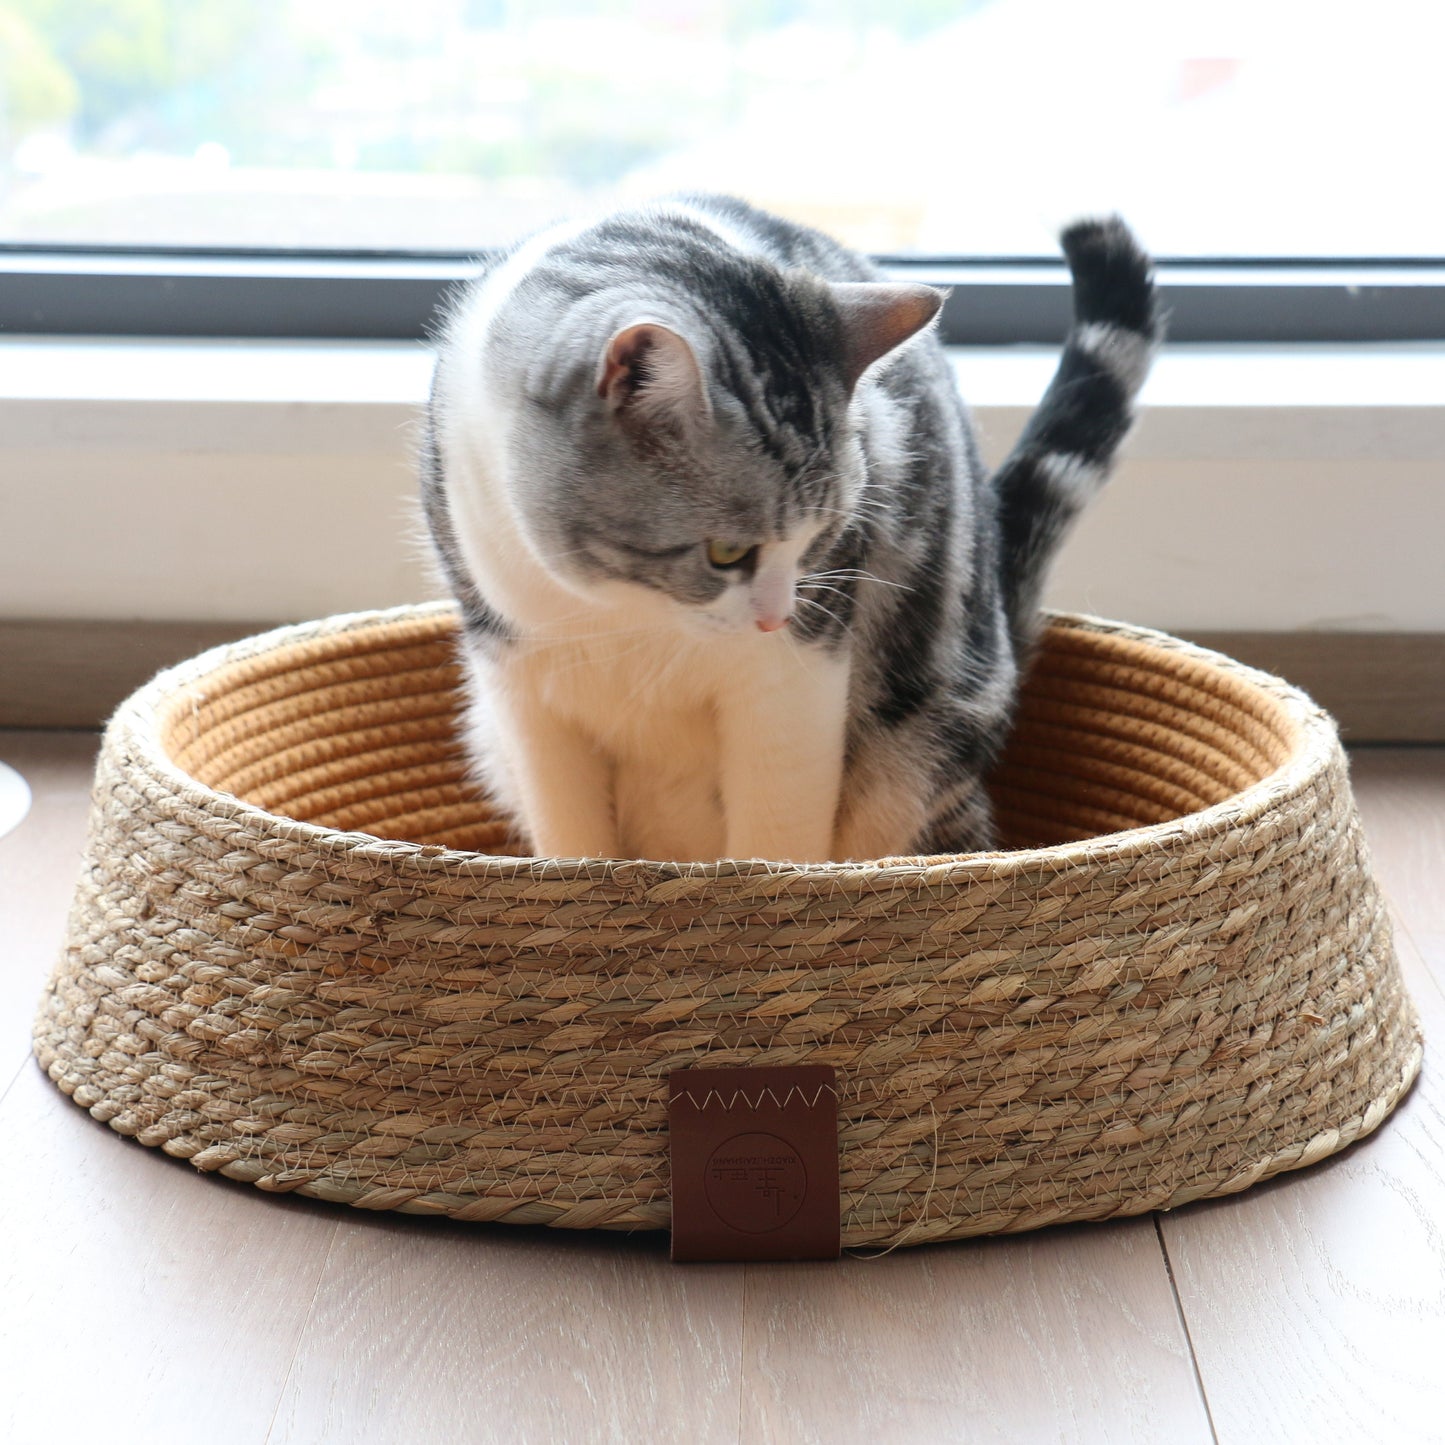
x: 1181, y: 982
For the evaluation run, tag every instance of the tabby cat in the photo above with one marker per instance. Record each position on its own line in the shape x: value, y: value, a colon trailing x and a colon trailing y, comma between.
x: 734, y: 581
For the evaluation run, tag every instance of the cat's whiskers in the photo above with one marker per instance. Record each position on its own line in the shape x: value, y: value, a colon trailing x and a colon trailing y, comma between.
x: 864, y: 502
x: 851, y: 574
x: 807, y: 658
x: 823, y: 587
x: 583, y: 658
x: 553, y: 639
x: 826, y: 611
x: 633, y: 640
x: 666, y: 669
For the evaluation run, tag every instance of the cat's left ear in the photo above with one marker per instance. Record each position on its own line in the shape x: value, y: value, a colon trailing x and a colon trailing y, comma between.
x: 649, y: 372
x: 877, y: 316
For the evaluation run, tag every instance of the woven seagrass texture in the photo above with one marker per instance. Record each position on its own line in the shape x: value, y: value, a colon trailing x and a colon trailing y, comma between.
x: 1179, y: 981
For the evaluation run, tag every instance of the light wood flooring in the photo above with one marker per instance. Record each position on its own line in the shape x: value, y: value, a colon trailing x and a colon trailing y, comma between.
x: 145, y: 1302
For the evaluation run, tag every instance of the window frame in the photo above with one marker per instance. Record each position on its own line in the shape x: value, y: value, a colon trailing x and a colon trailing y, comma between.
x: 397, y: 295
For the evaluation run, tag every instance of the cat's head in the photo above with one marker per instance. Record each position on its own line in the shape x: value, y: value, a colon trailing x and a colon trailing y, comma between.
x: 703, y: 456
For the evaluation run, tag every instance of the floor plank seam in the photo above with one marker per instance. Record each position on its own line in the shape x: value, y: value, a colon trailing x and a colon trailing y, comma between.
x: 1184, y: 1325
x: 14, y: 1079
x: 301, y: 1333
x: 1422, y: 954
x: 742, y: 1353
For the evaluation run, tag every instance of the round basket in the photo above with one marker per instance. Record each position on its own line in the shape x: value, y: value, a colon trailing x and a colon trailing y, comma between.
x: 1179, y: 982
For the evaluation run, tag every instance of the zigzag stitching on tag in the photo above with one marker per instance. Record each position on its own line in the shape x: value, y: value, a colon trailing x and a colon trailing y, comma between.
x: 731, y: 1101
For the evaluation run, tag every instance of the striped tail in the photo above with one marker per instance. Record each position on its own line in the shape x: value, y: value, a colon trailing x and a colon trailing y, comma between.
x: 1063, y: 457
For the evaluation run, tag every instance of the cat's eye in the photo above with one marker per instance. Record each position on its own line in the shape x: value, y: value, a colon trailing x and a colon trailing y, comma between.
x: 728, y: 554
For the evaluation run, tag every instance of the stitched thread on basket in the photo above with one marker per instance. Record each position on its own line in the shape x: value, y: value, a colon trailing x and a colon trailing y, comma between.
x: 731, y: 1102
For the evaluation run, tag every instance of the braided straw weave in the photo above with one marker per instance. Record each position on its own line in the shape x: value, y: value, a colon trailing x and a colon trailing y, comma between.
x: 1181, y: 982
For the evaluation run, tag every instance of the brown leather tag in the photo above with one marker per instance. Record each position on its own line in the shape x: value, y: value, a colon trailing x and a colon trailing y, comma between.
x: 754, y: 1163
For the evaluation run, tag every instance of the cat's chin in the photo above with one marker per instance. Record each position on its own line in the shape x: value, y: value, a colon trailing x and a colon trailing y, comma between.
x: 710, y: 624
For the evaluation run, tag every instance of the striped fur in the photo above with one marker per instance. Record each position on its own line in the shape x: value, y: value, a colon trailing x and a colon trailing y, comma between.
x: 1065, y: 452
x: 612, y: 397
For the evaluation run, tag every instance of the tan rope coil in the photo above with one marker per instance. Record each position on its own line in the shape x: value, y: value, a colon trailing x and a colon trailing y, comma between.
x: 1179, y: 983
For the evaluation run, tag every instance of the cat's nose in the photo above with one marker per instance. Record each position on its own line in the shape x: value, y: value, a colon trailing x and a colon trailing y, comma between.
x: 774, y: 594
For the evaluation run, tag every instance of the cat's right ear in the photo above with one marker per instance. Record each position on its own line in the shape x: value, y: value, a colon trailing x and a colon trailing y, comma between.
x: 876, y: 316
x: 650, y: 373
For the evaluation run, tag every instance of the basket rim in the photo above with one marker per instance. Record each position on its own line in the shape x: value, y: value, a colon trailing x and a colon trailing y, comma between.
x: 1315, y: 743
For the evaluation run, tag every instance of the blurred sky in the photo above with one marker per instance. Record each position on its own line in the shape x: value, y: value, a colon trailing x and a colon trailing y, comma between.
x: 1270, y: 128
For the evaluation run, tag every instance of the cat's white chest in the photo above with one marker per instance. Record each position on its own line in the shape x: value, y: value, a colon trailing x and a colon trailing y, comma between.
x: 649, y: 704
x: 648, y: 743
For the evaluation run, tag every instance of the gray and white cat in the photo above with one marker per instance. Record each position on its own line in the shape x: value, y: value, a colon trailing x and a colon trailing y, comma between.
x: 734, y: 580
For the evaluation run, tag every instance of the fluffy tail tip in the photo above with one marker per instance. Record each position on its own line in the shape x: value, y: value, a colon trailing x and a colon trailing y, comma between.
x: 1113, y: 276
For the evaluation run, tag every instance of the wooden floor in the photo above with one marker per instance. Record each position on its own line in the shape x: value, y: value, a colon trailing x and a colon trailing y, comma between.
x: 143, y: 1301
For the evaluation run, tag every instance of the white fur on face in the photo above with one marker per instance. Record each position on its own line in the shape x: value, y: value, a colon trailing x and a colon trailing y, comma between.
x: 768, y: 598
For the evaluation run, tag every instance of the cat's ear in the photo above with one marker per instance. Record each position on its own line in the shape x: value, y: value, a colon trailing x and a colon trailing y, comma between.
x: 651, y: 373
x: 877, y: 316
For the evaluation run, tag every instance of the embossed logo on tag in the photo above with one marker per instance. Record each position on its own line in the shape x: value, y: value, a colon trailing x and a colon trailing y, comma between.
x: 754, y: 1163
x: 755, y: 1182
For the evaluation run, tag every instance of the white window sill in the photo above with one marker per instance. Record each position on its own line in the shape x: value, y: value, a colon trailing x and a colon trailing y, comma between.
x: 1264, y: 488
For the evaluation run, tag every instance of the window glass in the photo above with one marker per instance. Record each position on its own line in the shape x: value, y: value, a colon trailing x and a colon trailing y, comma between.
x: 958, y: 127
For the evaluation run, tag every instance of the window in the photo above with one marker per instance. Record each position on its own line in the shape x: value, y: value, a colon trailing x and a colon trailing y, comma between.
x: 188, y: 159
